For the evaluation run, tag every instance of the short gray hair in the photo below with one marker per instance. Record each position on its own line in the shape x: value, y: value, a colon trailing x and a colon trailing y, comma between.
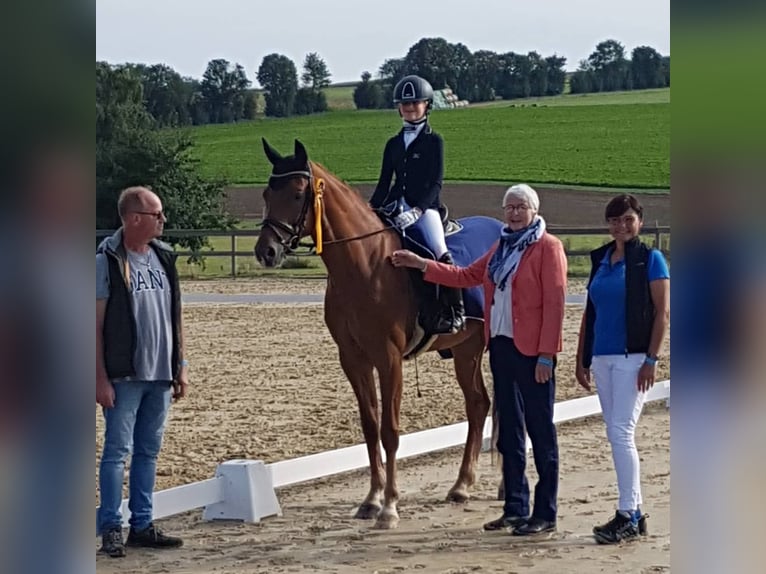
x: 525, y: 192
x: 131, y: 199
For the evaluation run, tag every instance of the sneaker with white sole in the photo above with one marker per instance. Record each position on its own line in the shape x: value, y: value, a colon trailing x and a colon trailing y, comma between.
x: 620, y: 528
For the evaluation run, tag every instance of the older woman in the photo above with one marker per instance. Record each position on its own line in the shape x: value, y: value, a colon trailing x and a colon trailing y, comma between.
x: 524, y: 277
x: 621, y: 335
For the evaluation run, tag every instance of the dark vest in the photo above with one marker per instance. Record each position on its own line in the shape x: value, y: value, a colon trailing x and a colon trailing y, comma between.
x: 639, y: 308
x: 119, y: 323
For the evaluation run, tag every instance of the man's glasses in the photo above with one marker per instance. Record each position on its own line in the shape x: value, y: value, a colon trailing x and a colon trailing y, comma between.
x: 158, y: 215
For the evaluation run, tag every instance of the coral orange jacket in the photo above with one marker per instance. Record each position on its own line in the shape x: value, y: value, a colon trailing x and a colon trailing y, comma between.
x: 537, y: 296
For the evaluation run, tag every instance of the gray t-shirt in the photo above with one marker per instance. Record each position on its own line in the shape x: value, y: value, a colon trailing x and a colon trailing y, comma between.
x: 151, y: 294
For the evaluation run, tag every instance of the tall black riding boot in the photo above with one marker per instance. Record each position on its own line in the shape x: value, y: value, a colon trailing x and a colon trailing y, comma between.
x: 452, y: 300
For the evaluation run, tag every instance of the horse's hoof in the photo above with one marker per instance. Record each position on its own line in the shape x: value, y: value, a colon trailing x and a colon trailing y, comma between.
x: 387, y: 521
x: 458, y: 495
x: 367, y: 511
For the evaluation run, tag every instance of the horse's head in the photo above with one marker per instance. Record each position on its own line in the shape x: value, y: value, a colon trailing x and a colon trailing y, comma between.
x: 288, y: 199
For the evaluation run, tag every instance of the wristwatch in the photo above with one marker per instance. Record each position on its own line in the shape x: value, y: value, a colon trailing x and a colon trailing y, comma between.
x: 184, y: 363
x: 651, y: 359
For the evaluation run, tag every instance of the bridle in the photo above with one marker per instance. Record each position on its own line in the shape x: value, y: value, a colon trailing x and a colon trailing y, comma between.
x: 289, y: 234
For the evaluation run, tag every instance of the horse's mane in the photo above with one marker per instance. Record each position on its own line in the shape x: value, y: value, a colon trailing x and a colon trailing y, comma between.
x: 349, y: 198
x: 321, y: 171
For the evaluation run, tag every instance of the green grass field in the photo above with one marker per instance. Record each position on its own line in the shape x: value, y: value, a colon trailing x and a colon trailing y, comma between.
x: 607, y: 145
x: 340, y: 98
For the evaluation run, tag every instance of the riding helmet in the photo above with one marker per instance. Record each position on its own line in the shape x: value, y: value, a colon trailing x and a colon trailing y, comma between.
x: 413, y: 89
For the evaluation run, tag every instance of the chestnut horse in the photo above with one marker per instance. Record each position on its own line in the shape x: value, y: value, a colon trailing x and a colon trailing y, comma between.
x: 370, y: 309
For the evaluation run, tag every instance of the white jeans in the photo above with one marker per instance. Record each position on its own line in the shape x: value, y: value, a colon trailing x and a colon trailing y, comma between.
x: 616, y: 378
x: 430, y: 224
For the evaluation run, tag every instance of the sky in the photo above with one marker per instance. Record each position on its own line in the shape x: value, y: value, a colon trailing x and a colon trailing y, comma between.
x: 357, y: 36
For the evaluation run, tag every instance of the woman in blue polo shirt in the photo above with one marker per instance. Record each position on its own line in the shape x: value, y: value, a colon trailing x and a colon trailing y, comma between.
x: 622, y: 332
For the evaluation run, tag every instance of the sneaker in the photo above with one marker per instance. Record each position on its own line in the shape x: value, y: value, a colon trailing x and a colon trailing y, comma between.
x: 111, y: 543
x: 152, y: 537
x: 618, y: 529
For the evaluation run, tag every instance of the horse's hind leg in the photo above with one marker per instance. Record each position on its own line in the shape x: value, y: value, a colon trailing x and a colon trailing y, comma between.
x: 359, y: 373
x: 467, y: 358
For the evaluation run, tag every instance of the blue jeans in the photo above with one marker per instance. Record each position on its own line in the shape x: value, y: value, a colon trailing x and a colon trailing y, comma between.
x: 524, y: 403
x: 136, y: 422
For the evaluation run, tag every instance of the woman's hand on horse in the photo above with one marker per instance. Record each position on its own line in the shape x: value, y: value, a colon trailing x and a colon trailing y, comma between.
x: 406, y: 258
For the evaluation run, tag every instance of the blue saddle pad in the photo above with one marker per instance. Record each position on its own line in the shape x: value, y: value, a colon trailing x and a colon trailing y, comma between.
x: 477, y: 235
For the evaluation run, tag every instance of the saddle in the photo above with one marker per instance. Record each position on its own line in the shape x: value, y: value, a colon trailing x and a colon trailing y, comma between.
x: 388, y: 212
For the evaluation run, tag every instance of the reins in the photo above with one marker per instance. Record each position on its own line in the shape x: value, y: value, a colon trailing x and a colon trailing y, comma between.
x: 370, y: 234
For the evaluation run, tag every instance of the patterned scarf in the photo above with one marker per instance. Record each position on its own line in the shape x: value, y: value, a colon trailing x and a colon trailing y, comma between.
x: 505, y: 261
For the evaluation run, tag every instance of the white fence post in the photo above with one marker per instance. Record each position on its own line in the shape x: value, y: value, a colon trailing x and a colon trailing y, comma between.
x: 248, y: 492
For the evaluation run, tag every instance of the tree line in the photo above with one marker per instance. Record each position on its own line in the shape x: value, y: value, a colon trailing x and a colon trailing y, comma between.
x: 607, y: 69
x: 485, y: 75
x: 225, y: 94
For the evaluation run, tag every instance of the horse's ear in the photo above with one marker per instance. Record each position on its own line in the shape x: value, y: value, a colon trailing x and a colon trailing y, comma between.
x: 300, y: 152
x: 273, y: 155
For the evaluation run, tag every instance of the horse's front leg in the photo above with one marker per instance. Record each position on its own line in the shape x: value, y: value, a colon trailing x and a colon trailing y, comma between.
x: 359, y: 373
x: 390, y: 374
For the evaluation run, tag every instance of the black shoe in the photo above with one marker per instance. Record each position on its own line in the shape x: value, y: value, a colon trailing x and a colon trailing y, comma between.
x: 152, y: 537
x: 505, y: 522
x: 111, y: 543
x: 618, y: 529
x: 534, y: 526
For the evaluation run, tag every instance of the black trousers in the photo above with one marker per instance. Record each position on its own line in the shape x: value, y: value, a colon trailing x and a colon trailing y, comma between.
x: 523, y: 403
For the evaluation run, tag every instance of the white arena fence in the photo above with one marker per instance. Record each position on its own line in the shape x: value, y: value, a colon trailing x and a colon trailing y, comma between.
x: 244, y: 490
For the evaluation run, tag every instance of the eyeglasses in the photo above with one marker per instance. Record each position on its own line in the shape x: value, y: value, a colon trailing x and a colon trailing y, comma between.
x: 523, y: 208
x: 158, y: 215
x: 625, y: 219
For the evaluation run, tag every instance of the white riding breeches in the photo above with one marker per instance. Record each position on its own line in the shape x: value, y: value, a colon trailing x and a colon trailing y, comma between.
x: 430, y: 225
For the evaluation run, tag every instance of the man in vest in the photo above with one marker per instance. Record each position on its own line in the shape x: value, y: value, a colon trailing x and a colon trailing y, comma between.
x: 140, y: 364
